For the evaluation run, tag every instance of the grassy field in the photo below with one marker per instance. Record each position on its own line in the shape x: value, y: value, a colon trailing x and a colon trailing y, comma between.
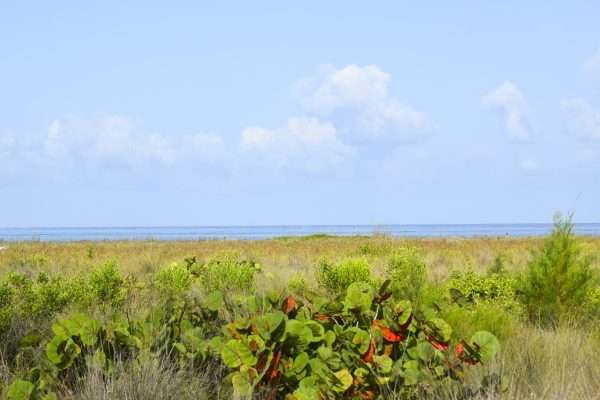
x: 548, y: 331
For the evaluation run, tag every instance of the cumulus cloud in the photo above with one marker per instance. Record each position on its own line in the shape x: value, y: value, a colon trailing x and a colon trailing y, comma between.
x: 508, y: 99
x: 115, y: 138
x: 304, y: 143
x: 360, y: 93
x: 583, y: 119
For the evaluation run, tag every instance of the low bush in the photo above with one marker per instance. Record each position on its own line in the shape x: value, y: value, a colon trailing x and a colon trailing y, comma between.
x: 558, y: 278
x: 338, y: 276
x: 226, y: 272
x: 107, y: 286
x: 297, y: 284
x: 408, y: 273
x: 470, y: 288
x: 487, y: 316
x: 173, y: 280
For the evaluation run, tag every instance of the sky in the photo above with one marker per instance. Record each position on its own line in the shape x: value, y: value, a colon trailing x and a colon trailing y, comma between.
x: 267, y: 113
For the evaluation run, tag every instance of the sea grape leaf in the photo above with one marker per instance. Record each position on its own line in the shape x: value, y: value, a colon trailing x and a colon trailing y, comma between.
x: 344, y: 380
x: 425, y: 351
x: 329, y: 338
x: 20, y: 390
x: 384, y: 364
x: 236, y: 353
x: 214, y: 301
x: 361, y: 339
x: 271, y: 325
x: 308, y: 389
x: 317, y: 330
x: 359, y: 297
x: 441, y: 329
x: 486, y: 343
x: 300, y: 362
x: 241, y: 385
x: 411, y: 373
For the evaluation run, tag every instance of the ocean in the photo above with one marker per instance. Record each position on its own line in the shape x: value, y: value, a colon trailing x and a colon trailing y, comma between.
x: 267, y: 232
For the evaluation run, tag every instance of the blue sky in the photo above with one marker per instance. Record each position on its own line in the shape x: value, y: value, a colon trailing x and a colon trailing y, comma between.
x: 223, y: 113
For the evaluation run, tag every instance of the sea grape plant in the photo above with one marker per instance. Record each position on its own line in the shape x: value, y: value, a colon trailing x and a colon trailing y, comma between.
x: 351, y: 347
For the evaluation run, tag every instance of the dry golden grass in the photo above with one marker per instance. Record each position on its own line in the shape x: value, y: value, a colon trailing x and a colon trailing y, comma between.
x: 143, y: 257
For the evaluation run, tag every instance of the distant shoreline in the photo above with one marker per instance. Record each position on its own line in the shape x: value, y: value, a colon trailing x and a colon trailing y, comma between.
x: 283, y: 232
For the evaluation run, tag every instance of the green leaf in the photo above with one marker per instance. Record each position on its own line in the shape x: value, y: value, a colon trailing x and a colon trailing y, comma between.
x: 361, y: 339
x: 236, y: 353
x: 325, y: 353
x: 384, y: 364
x: 215, y: 344
x: 308, y: 389
x: 271, y: 325
x: 486, y: 343
x: 403, y: 311
x: 20, y: 390
x: 53, y: 351
x: 241, y: 385
x: 214, y: 301
x: 425, y: 351
x: 329, y: 338
x: 32, y: 339
x: 300, y: 362
x: 300, y: 331
x: 317, y: 330
x: 411, y: 373
x: 441, y: 329
x: 89, y: 332
x: 359, y: 297
x: 344, y: 380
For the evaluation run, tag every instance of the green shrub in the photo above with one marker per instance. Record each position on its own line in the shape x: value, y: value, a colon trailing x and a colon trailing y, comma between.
x: 408, y: 273
x: 558, y: 278
x: 22, y: 297
x: 469, y: 288
x: 592, y: 304
x: 173, y: 280
x: 107, y: 285
x: 486, y: 316
x: 337, y: 277
x: 6, y: 305
x: 228, y: 273
x: 297, y: 284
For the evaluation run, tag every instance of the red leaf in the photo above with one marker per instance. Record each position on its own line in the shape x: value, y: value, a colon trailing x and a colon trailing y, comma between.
x: 440, y: 346
x: 289, y: 304
x: 368, y: 356
x: 390, y: 335
x: 275, y: 365
x: 459, y: 350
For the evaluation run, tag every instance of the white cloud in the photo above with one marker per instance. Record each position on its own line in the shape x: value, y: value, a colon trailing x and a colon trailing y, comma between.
x: 362, y: 94
x: 583, y: 118
x: 304, y: 143
x: 510, y: 101
x: 117, y: 139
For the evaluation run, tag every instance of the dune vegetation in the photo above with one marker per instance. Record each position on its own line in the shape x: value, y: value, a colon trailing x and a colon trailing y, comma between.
x: 313, y: 317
